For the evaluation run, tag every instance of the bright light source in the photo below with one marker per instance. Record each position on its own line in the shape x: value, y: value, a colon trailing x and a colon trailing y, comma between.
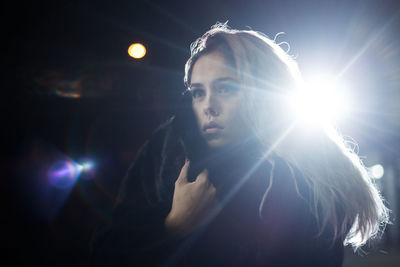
x: 376, y: 171
x: 137, y: 50
x: 320, y: 101
x: 85, y: 166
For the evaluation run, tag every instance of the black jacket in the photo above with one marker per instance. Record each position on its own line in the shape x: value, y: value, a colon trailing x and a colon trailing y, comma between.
x: 251, y: 229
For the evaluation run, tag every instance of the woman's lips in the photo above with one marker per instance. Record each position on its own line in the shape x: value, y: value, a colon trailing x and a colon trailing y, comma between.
x: 212, y: 128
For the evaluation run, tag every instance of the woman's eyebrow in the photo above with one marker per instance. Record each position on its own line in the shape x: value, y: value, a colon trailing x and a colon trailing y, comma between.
x: 225, y: 79
x: 195, y: 85
x: 216, y: 81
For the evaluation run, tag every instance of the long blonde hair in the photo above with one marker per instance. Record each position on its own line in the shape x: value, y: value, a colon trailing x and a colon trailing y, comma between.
x: 333, y: 172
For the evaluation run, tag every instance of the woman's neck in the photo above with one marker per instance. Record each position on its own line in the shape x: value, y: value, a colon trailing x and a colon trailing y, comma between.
x: 248, y: 147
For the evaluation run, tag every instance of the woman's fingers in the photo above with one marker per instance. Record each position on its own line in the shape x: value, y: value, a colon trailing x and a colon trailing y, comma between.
x: 203, y: 177
x: 182, y: 178
x: 193, y: 204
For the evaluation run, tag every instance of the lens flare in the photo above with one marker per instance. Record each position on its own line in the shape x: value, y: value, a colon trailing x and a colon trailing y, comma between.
x: 61, y: 93
x: 60, y: 84
x: 63, y: 174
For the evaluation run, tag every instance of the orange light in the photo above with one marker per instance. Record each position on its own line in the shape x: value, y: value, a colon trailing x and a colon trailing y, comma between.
x: 137, y: 50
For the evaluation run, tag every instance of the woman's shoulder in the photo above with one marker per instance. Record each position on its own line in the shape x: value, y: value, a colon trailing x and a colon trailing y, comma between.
x: 289, y: 212
x: 288, y: 200
x: 288, y: 177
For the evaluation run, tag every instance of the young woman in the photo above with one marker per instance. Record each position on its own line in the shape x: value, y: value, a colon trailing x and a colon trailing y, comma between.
x: 234, y: 179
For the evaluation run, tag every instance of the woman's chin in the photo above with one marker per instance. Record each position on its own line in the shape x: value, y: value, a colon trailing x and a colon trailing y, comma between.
x: 217, y: 143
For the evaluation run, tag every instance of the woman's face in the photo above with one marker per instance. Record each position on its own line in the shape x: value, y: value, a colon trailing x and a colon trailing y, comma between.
x: 216, y: 100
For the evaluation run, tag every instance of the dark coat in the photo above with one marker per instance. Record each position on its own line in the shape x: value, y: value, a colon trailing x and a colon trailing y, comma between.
x: 283, y: 232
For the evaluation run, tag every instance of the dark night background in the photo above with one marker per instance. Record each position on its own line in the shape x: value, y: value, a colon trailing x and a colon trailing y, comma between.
x: 55, y: 49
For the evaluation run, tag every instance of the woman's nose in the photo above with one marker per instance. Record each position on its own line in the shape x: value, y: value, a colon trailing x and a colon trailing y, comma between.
x: 211, y: 107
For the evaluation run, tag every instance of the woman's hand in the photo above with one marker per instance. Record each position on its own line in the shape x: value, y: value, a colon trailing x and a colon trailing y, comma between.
x: 193, y: 205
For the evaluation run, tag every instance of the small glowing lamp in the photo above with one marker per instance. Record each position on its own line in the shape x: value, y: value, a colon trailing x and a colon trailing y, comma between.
x: 137, y: 50
x: 376, y: 171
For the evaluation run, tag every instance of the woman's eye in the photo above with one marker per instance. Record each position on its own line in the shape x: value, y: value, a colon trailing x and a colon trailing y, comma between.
x: 227, y: 89
x: 197, y: 93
